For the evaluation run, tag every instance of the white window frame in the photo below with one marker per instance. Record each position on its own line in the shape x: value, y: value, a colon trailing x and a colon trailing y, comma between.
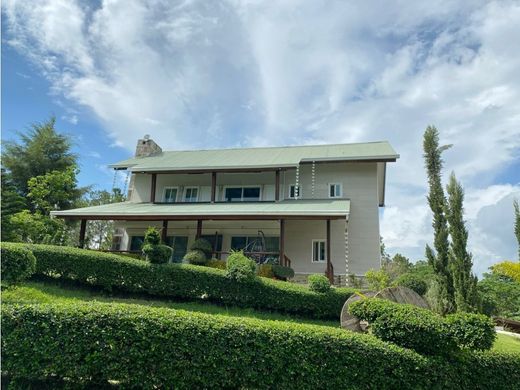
x: 170, y: 188
x: 259, y: 186
x: 190, y: 188
x: 335, y: 194
x: 325, y: 251
x: 299, y: 191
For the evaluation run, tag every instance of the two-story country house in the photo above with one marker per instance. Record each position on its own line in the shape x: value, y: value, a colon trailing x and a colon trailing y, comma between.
x: 315, y: 208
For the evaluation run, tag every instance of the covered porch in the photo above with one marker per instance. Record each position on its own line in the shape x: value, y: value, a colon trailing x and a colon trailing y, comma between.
x: 284, y: 230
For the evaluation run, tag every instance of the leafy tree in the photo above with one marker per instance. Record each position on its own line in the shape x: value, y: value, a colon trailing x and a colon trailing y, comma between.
x: 377, y: 279
x: 41, y: 150
x: 438, y: 257
x: 37, y: 228
x: 517, y: 225
x: 396, y: 266
x: 12, y: 203
x: 99, y: 233
x: 55, y: 190
x: 464, y: 281
x: 500, y: 295
x: 507, y: 268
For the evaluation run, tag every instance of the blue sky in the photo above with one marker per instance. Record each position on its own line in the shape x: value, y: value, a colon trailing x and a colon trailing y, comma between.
x: 198, y: 74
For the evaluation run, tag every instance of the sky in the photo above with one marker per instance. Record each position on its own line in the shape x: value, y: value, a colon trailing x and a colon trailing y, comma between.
x: 213, y: 74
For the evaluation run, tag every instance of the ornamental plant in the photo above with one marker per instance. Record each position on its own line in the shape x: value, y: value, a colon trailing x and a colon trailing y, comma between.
x: 153, y: 250
x: 319, y: 283
x: 18, y: 263
x: 240, y: 267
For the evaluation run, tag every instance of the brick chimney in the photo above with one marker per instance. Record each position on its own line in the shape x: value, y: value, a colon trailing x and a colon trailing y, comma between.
x: 147, y: 147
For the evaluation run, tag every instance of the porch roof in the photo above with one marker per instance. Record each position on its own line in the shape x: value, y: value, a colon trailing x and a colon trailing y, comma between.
x: 289, y: 209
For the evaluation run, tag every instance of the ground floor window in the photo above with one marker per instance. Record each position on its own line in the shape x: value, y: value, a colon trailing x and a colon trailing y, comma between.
x: 136, y: 243
x: 255, y: 243
x: 179, y: 245
x: 319, y: 251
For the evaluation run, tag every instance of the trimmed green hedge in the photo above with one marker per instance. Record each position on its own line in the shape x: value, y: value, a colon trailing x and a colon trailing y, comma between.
x: 91, y: 343
x: 472, y: 331
x: 405, y: 325
x: 422, y: 330
x: 17, y: 263
x: 185, y: 281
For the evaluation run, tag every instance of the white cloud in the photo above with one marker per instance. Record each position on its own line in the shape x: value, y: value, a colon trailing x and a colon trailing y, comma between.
x: 210, y: 74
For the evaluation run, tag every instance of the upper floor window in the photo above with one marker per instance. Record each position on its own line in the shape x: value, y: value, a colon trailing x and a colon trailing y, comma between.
x: 191, y: 194
x: 335, y: 190
x: 319, y: 251
x: 294, y: 191
x: 170, y: 194
x: 241, y: 194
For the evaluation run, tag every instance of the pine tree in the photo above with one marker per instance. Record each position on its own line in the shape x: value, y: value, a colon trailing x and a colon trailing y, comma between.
x: 517, y: 225
x: 464, y: 282
x: 438, y: 258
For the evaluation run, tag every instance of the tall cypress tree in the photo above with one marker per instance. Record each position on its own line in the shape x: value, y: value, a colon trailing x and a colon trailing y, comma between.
x: 438, y: 257
x: 464, y: 282
x: 517, y: 225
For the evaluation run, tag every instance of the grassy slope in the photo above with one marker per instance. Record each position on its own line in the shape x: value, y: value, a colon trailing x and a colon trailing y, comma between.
x: 53, y: 291
x: 506, y: 343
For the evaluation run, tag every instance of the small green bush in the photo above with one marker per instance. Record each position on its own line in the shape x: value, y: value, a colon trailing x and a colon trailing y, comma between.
x: 216, y: 263
x: 412, y: 281
x: 377, y: 279
x: 405, y: 325
x: 196, y: 257
x: 265, y: 270
x: 157, y: 254
x: 18, y: 263
x: 202, y: 245
x: 282, y: 272
x: 183, y: 281
x: 472, y: 331
x: 319, y: 283
x: 240, y: 267
x: 152, y: 236
x: 92, y: 343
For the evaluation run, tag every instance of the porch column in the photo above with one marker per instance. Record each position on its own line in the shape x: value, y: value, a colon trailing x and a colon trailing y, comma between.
x: 330, y: 271
x: 277, y: 186
x: 282, y: 242
x: 213, y: 186
x: 153, y: 187
x: 82, y: 231
x: 164, y: 231
x: 199, y: 228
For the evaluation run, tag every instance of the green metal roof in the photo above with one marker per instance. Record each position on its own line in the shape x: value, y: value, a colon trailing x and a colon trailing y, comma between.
x: 272, y: 157
x: 287, y: 208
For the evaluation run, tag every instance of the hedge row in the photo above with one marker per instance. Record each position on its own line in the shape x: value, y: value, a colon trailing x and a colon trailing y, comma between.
x: 422, y: 330
x: 185, y: 281
x: 18, y: 263
x: 91, y: 343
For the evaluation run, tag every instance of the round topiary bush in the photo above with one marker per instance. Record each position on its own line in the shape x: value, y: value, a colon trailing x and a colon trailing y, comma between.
x: 282, y: 272
x: 157, y: 254
x: 240, y: 267
x: 152, y: 236
x: 196, y: 257
x: 18, y: 263
x: 319, y: 283
x: 413, y: 282
x: 202, y: 245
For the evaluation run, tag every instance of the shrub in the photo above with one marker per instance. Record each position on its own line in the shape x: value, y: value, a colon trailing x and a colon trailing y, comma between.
x: 319, y: 283
x: 92, y: 343
x: 377, y: 279
x: 282, y: 272
x: 202, y: 245
x: 216, y: 263
x: 412, y: 281
x: 265, y: 270
x: 157, y: 254
x: 18, y: 263
x: 196, y: 257
x: 184, y: 281
x: 405, y: 325
x: 240, y: 267
x: 152, y: 236
x: 472, y: 331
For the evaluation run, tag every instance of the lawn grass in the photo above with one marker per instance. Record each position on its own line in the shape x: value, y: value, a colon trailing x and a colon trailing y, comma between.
x: 506, y: 343
x: 53, y: 291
